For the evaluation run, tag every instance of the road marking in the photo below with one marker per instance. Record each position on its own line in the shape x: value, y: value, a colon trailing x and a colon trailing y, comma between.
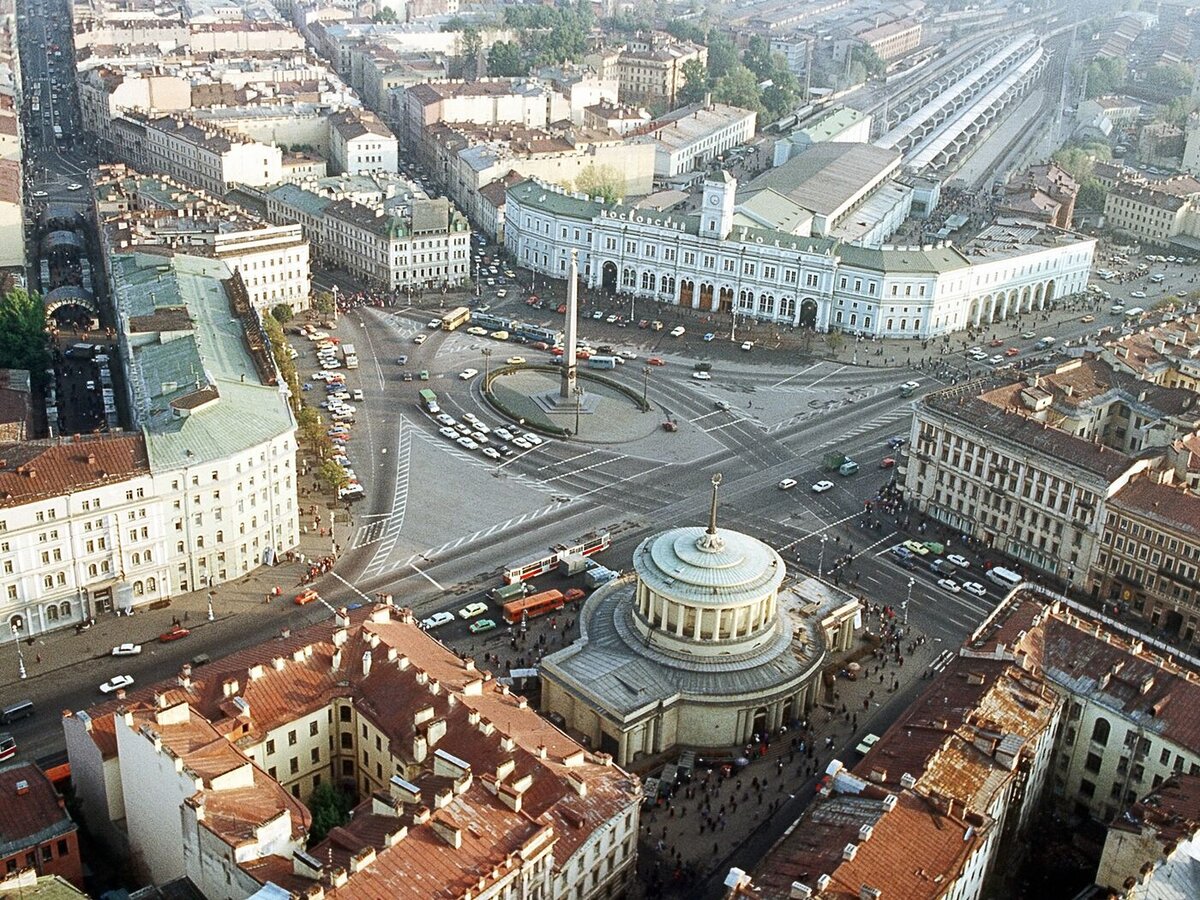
x: 388, y: 531
x: 797, y: 375
x: 563, y: 462
x: 426, y: 576
x: 352, y: 587
x: 581, y: 471
x: 707, y: 415
x: 604, y: 487
x: 725, y: 425
x: 515, y: 521
x: 823, y: 377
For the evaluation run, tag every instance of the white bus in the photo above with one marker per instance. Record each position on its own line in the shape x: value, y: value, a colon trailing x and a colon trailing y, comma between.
x: 1006, y: 578
x: 349, y: 356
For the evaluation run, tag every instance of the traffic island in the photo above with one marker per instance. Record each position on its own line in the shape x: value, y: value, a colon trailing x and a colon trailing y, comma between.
x: 607, y: 411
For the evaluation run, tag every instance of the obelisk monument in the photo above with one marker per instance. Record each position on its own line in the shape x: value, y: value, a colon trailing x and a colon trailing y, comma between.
x: 566, y: 389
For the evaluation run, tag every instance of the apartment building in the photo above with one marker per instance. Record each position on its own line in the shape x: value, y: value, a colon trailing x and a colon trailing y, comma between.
x: 948, y: 789
x: 1155, y: 211
x: 1044, y: 193
x: 1166, y: 353
x: 650, y: 69
x: 360, y: 142
x: 471, y: 157
x: 146, y: 211
x: 36, y: 831
x: 691, y: 137
x: 893, y: 39
x: 1031, y: 467
x: 405, y: 243
x: 460, y: 784
x: 208, y: 157
x: 1153, y: 844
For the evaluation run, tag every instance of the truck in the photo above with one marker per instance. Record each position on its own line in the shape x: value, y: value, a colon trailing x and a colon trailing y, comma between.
x: 597, y: 576
x: 429, y: 401
x: 572, y: 564
x: 58, y: 134
x: 349, y: 356
x: 507, y: 592
x: 840, y: 463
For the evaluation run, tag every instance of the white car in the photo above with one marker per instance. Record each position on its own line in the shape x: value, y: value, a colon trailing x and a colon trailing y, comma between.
x: 434, y: 324
x: 479, y: 437
x: 701, y: 376
x: 747, y: 345
x: 503, y: 434
x: 471, y: 610
x: 448, y: 432
x: 467, y: 444
x: 74, y: 186
x: 357, y: 395
x: 40, y: 194
x: 787, y: 484
x: 446, y: 420
x: 419, y: 338
x: 116, y: 683
x: 127, y: 650
x: 611, y: 319
x: 471, y: 417
x: 436, y: 620
x: 996, y: 360
x: 959, y: 562
x: 515, y: 361
x: 822, y: 486
x: 627, y: 354
x: 522, y: 443
x: 678, y: 331
x: 481, y: 428
x: 1138, y: 295
x: 949, y: 584
x: 910, y: 385
x: 491, y: 452
x: 468, y: 374
x: 477, y: 331
x: 532, y: 438
x: 502, y: 293
x: 462, y: 428
x: 974, y: 587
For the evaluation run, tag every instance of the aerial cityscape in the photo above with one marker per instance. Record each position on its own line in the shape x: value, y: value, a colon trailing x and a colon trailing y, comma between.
x: 758, y: 441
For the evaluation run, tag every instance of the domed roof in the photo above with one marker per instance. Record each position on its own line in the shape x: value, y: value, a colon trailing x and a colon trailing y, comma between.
x: 713, y: 567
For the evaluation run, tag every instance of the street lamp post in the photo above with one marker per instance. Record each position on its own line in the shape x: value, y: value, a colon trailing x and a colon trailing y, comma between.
x: 487, y: 359
x: 20, y: 655
x: 821, y: 560
x: 578, y: 402
x: 645, y: 388
x: 911, y: 582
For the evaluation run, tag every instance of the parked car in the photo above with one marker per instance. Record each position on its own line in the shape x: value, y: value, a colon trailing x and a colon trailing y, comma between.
x: 436, y: 620
x: 482, y: 625
x: 127, y: 650
x: 959, y: 562
x: 948, y: 584
x: 116, y: 683
x: 471, y: 610
x: 175, y: 633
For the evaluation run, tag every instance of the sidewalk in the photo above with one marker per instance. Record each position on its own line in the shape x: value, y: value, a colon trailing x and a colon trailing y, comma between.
x: 236, y: 604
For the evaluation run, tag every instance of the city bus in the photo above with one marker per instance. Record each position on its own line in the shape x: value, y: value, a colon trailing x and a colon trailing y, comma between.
x: 349, y: 356
x: 458, y: 316
x: 533, y: 606
x: 593, y: 542
x: 1006, y: 578
x: 536, y: 333
x: 507, y: 592
x: 602, y: 362
x: 489, y: 321
x: 429, y: 400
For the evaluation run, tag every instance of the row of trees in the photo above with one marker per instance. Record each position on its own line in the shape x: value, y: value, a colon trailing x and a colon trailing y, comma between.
x: 23, y: 343
x: 1079, y: 161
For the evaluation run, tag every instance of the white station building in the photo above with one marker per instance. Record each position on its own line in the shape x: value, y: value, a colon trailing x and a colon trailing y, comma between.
x: 722, y: 260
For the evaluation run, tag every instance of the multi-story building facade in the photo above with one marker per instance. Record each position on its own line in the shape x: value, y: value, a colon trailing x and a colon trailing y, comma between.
x: 526, y: 102
x: 360, y: 142
x: 461, y: 783
x: 717, y: 261
x: 414, y: 242
x: 650, y: 69
x: 208, y: 157
x: 892, y: 40
x: 1031, y: 467
x: 1155, y: 211
x: 204, y: 493
x: 155, y: 211
x: 690, y: 138
x: 37, y: 831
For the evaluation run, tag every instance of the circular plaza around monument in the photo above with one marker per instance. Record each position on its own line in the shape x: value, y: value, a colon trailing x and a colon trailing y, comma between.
x: 603, y: 411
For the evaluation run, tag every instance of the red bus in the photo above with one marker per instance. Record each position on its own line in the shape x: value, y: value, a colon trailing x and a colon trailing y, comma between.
x: 8, y: 746
x: 532, y: 606
x: 591, y: 543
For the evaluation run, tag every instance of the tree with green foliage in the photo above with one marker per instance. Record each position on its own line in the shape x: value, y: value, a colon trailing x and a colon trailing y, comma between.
x: 868, y: 59
x: 283, y: 359
x: 1170, y: 77
x: 504, y: 60
x: 23, y: 334
x: 330, y: 808
x: 282, y: 313
x: 722, y: 54
x: 471, y: 50
x: 738, y: 87
x: 385, y: 16
x: 1092, y: 194
x: 780, y: 99
x: 323, y: 303
x: 686, y: 30
x: 601, y: 181
x: 1104, y: 76
x: 1176, y: 111
x: 695, y: 82
x: 1079, y: 161
x: 757, y: 58
x: 628, y: 22
x: 331, y: 475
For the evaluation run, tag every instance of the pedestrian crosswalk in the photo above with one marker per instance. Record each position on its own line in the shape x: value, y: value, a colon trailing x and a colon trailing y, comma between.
x: 386, y: 532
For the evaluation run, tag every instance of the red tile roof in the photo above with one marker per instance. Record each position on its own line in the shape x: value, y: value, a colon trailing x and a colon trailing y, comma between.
x: 32, y: 470
x: 30, y: 817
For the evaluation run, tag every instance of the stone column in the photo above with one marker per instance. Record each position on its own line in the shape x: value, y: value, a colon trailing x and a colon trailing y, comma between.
x: 566, y: 389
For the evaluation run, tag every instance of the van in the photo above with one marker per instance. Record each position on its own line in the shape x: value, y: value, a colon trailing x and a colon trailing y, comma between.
x: 1006, y: 578
x: 943, y: 567
x: 14, y: 712
x: 849, y: 467
x: 649, y: 792
x: 1157, y: 278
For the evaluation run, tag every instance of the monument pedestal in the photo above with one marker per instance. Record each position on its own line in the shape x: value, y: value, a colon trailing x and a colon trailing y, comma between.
x: 553, y: 403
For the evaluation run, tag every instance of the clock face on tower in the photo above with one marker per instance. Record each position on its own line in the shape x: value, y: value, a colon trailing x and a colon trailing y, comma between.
x: 713, y: 200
